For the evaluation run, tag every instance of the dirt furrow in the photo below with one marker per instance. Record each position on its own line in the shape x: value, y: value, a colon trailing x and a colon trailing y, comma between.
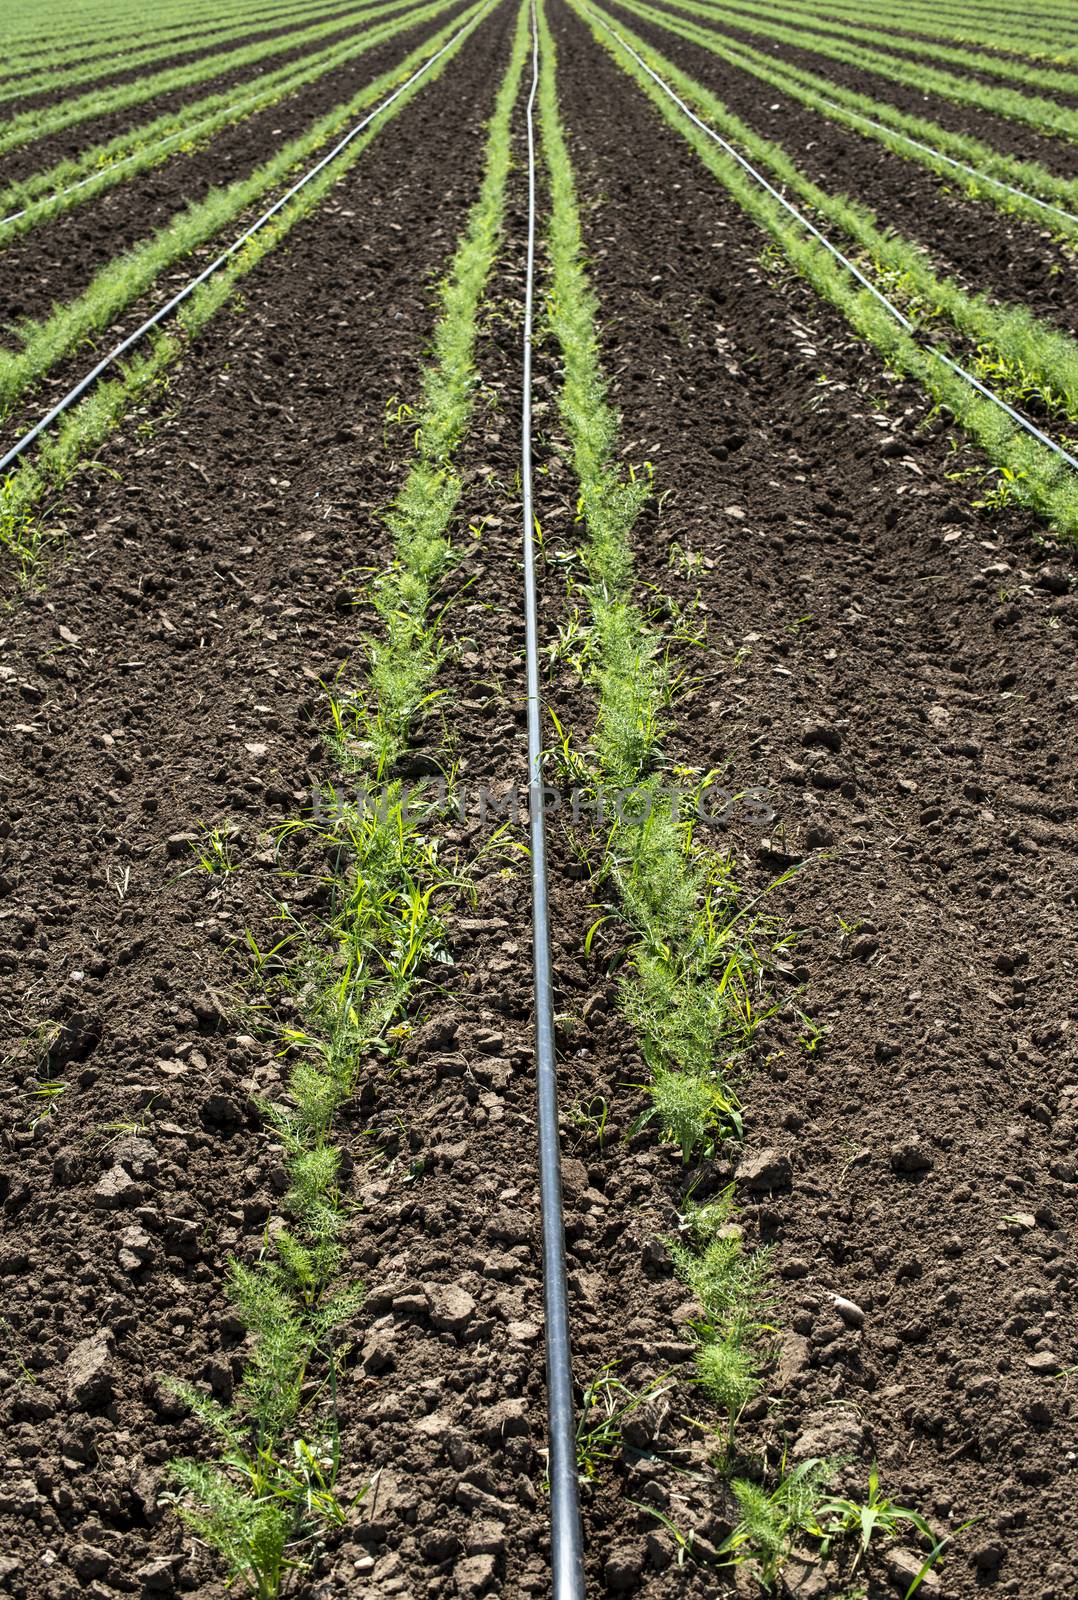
x: 170, y: 676
x: 57, y: 260
x: 893, y: 666
x: 1004, y: 134
x: 989, y: 252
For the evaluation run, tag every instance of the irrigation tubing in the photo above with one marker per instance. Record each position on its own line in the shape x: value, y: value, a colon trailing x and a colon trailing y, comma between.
x: 158, y: 144
x: 189, y: 288
x: 937, y: 155
x: 892, y: 310
x: 566, y: 1538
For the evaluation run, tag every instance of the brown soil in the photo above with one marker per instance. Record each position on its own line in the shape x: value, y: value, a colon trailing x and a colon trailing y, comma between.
x: 1009, y: 258
x: 1012, y: 138
x: 183, y: 54
x: 904, y: 696
x: 889, y: 663
x: 56, y: 260
x: 43, y: 153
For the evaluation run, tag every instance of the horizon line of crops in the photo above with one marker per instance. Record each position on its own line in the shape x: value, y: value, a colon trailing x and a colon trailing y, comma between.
x: 85, y: 72
x: 16, y: 66
x: 128, y: 276
x: 31, y: 125
x: 1044, y: 115
x: 1028, y: 471
x: 355, y: 978
x: 1027, y: 357
x: 62, y: 451
x: 38, y: 41
x: 49, y: 193
x: 816, y: 91
x: 801, y: 14
x: 932, y: 22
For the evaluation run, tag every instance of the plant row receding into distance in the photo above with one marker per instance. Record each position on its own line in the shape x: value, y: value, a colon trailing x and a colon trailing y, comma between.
x: 42, y: 121
x: 76, y: 179
x: 697, y: 978
x: 273, y: 1491
x: 1012, y: 184
x: 1029, y: 471
x: 1036, y: 111
x: 1043, y: 362
x: 28, y: 489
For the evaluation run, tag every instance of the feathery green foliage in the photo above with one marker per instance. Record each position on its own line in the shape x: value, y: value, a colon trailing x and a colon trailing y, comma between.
x: 42, y: 121
x: 88, y: 424
x: 1037, y: 477
x: 1046, y: 356
x: 352, y: 977
x: 734, y: 1289
x: 879, y: 119
x: 371, y: 728
x: 118, y: 284
x: 695, y: 975
x: 1035, y: 110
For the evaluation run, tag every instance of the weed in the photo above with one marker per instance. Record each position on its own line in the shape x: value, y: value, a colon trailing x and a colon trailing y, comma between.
x: 214, y: 851
x: 47, y: 1093
x: 604, y: 1407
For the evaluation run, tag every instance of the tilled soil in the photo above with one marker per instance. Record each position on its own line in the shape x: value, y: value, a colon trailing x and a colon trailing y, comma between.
x: 42, y: 153
x: 184, y: 53
x: 898, y: 678
x: 1006, y: 257
x: 203, y: 592
x: 885, y: 661
x: 1002, y: 133
x: 55, y: 261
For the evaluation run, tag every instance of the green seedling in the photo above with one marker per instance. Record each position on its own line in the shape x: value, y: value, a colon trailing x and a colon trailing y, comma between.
x: 604, y: 1407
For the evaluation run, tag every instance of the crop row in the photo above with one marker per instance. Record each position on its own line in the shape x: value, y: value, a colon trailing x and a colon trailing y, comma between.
x: 75, y: 180
x: 815, y: 27
x: 932, y: 22
x: 207, y: 43
x: 274, y: 1482
x: 1034, y: 110
x: 38, y: 123
x: 1008, y: 182
x: 128, y: 276
x: 89, y: 422
x: 1030, y: 471
x: 1043, y: 361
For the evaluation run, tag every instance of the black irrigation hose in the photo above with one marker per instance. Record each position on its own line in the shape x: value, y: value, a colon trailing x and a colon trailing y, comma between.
x: 566, y: 1538
x: 903, y: 321
x: 237, y: 244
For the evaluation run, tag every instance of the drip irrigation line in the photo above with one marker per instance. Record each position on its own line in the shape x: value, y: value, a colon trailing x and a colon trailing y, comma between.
x: 182, y: 133
x: 189, y: 288
x: 157, y: 144
x: 566, y: 1538
x: 937, y: 155
x: 904, y: 322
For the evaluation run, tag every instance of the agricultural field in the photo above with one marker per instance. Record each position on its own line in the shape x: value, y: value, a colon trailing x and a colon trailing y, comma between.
x: 538, y: 799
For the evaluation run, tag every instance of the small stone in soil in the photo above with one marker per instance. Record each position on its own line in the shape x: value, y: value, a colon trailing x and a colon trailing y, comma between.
x: 910, y: 1156
x: 766, y: 1171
